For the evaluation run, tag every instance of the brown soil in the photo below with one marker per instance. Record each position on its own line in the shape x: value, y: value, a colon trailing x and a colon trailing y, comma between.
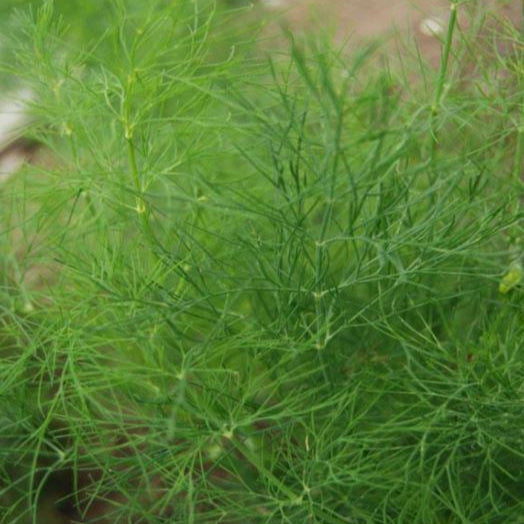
x: 365, y: 20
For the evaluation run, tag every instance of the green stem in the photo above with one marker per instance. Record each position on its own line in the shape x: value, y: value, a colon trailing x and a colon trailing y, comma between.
x: 141, y: 207
x: 134, y: 172
x: 522, y: 20
x: 518, y: 167
x: 443, y: 70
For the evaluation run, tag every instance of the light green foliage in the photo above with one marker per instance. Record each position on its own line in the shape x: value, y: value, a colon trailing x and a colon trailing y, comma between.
x: 512, y: 278
x: 243, y: 291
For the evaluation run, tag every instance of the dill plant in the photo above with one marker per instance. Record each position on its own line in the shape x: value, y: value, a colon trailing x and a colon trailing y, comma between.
x: 244, y: 291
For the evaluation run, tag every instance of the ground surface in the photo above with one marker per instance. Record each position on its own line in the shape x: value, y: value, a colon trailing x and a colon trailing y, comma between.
x: 361, y: 20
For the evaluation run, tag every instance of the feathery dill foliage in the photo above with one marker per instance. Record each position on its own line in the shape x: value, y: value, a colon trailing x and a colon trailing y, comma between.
x: 241, y: 292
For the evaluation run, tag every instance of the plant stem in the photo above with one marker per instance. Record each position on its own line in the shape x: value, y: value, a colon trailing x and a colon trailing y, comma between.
x: 522, y: 19
x: 518, y: 168
x: 141, y: 207
x: 442, y: 77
